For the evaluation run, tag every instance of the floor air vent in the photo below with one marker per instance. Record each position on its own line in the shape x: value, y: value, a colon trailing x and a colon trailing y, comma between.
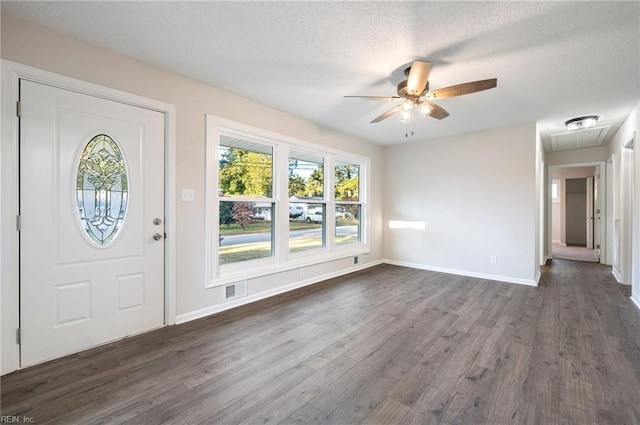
x: 235, y: 290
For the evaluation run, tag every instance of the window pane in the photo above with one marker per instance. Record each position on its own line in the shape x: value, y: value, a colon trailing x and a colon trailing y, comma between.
x: 246, y: 231
x: 101, y: 189
x: 306, y: 176
x: 306, y: 226
x: 347, y: 224
x: 245, y: 168
x: 347, y: 184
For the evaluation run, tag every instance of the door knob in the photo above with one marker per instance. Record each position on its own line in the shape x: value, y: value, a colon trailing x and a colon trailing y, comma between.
x: 157, y: 237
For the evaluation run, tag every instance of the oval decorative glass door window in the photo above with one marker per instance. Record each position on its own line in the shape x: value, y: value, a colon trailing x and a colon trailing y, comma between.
x: 102, y: 190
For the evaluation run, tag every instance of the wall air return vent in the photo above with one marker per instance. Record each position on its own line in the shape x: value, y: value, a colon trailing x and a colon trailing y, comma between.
x: 235, y: 290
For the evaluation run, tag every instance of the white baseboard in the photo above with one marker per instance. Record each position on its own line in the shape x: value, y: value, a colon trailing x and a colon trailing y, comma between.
x: 635, y: 300
x: 616, y: 274
x: 208, y: 311
x: 499, y: 278
x: 559, y: 243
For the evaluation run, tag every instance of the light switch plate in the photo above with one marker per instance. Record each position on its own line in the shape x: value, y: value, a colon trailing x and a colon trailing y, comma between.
x: 188, y: 195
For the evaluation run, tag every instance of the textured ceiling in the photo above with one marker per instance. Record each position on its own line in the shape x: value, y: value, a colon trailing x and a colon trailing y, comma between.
x: 553, y: 60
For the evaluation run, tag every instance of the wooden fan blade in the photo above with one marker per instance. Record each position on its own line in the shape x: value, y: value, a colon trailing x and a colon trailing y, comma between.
x: 418, y: 77
x: 437, y: 112
x: 382, y: 98
x: 461, y: 89
x: 386, y: 114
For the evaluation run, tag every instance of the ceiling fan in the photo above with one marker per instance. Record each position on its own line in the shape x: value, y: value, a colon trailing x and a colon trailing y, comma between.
x: 415, y: 92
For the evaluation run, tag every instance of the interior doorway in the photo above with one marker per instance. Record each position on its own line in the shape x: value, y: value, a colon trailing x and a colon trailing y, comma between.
x: 576, y: 213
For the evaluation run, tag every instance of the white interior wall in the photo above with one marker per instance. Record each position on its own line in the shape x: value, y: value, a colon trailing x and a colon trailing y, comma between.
x: 577, y: 156
x: 473, y: 203
x: 628, y: 130
x: 635, y: 265
x: 627, y: 172
x: 38, y: 47
x: 540, y: 255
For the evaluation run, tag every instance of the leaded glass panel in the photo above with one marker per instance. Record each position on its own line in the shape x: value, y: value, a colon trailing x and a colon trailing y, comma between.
x: 102, y: 189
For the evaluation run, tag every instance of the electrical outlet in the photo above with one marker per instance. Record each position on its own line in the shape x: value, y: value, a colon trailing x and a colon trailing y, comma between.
x: 493, y: 259
x: 355, y: 260
x: 302, y: 272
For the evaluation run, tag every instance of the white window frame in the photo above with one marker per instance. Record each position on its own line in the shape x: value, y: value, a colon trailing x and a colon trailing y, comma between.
x: 321, y: 202
x: 558, y: 186
x: 336, y: 202
x: 261, y: 262
x: 282, y: 259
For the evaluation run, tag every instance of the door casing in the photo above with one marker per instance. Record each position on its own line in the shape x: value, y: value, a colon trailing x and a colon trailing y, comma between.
x: 9, y: 193
x: 605, y: 246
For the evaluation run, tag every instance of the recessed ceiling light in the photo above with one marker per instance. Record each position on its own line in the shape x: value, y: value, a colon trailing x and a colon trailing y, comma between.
x: 580, y: 123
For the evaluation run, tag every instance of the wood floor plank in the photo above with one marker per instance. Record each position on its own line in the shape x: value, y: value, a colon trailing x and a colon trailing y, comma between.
x: 503, y: 402
x: 258, y: 396
x: 383, y: 345
x: 286, y: 404
x: 430, y: 406
x: 357, y: 335
x: 411, y: 387
x: 306, y: 414
x: 388, y: 412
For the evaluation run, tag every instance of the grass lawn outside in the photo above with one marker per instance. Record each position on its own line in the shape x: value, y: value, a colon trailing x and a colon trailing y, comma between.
x: 264, y: 227
x: 252, y: 251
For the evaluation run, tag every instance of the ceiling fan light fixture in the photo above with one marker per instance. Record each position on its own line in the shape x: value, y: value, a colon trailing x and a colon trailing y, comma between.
x: 414, y: 92
x: 405, y: 116
x: 406, y: 106
x: 424, y: 108
x: 580, y: 123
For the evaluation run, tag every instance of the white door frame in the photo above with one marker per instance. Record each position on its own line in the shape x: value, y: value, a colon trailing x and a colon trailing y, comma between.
x: 9, y: 193
x: 628, y: 178
x: 591, y: 212
x: 602, y: 186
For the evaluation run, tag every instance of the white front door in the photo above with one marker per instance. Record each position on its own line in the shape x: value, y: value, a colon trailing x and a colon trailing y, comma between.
x: 91, y: 202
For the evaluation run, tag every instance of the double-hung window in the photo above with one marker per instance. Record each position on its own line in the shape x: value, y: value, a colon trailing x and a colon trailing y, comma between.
x: 348, y: 208
x: 307, y: 205
x: 246, y: 204
x: 275, y: 203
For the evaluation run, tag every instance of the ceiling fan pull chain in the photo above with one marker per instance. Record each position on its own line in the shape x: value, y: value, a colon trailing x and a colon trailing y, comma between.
x: 406, y: 131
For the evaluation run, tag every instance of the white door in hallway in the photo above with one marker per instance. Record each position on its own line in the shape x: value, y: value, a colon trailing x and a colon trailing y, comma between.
x: 92, y: 221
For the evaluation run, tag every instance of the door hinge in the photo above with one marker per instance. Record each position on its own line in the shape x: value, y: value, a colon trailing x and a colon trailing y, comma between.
x: 18, y: 223
x: 19, y: 108
x: 18, y: 336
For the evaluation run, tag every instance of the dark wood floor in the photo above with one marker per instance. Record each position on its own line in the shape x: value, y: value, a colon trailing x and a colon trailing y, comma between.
x: 387, y: 345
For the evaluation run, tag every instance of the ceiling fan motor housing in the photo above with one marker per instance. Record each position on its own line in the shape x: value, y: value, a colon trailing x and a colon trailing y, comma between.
x: 402, y: 91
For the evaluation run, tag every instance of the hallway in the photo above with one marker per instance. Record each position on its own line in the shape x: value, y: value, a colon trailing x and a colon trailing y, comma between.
x: 574, y: 253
